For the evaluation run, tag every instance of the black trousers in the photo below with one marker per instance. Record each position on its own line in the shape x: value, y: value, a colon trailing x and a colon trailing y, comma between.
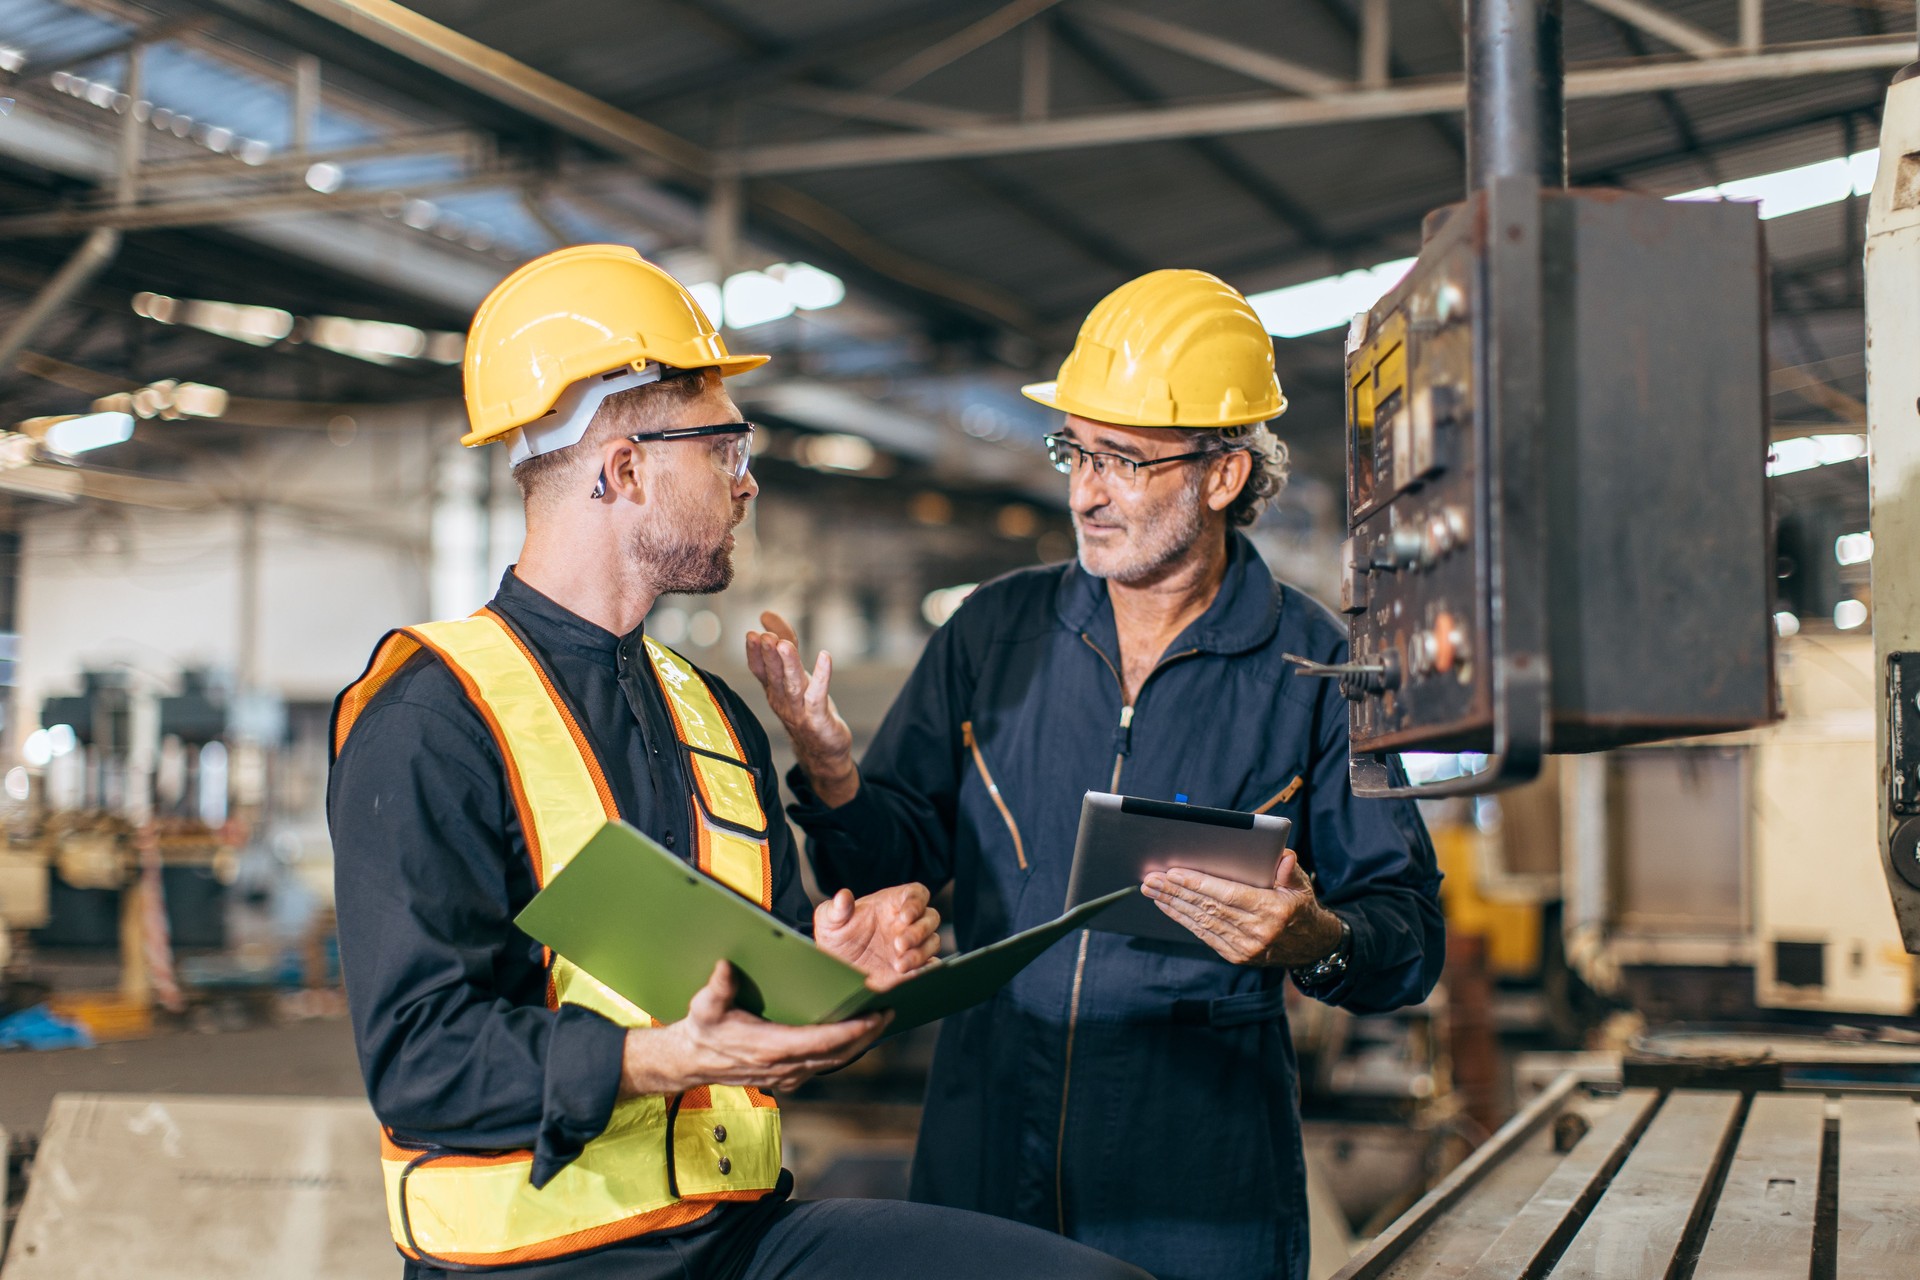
x: 780, y: 1239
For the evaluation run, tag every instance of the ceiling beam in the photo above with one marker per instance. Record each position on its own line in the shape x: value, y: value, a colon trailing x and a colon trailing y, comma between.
x: 844, y: 104
x: 1113, y: 128
x: 1229, y: 54
x: 1661, y: 25
x: 1224, y: 161
x: 805, y: 56
x: 216, y: 210
x: 956, y: 46
x: 468, y: 62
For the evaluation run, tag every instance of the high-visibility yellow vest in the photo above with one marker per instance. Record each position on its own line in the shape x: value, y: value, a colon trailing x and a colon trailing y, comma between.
x: 663, y: 1161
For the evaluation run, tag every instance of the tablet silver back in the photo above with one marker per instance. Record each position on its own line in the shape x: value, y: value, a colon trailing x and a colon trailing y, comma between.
x: 1122, y: 838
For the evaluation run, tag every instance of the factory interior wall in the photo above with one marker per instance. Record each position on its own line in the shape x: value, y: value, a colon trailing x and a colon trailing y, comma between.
x: 342, y: 556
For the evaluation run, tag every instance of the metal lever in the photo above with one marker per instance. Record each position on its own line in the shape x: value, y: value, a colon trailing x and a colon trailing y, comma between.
x: 1333, y: 670
x: 1357, y: 679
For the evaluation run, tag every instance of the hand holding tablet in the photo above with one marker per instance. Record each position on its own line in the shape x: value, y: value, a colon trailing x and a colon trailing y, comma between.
x: 1124, y: 838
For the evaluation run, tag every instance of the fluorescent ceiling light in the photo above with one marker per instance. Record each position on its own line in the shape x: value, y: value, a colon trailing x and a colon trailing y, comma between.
x: 1331, y: 301
x: 810, y: 288
x: 835, y: 451
x: 749, y: 298
x: 1803, y: 453
x: 1811, y: 186
x: 753, y: 297
x: 1849, y: 614
x: 376, y: 341
x: 89, y: 431
x: 1326, y: 303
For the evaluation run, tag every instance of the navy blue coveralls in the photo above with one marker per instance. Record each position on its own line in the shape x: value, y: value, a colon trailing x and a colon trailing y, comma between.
x: 1138, y: 1096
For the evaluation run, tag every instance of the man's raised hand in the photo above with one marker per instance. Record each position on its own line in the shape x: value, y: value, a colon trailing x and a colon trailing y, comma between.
x: 822, y: 743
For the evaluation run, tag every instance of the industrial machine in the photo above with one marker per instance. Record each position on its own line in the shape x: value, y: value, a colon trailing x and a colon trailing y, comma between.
x: 1893, y: 433
x: 1557, y: 433
x: 1726, y: 878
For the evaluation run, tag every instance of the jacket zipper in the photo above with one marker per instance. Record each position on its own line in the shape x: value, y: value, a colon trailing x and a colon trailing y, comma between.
x: 993, y: 791
x: 1123, y: 747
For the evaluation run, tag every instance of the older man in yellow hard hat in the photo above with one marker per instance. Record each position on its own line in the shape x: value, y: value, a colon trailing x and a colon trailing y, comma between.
x: 1139, y: 1096
x: 535, y: 1123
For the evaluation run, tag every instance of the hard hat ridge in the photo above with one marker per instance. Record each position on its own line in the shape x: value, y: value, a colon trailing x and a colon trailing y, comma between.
x: 1173, y: 348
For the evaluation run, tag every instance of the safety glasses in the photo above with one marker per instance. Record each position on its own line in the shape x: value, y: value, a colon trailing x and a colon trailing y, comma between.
x: 732, y: 449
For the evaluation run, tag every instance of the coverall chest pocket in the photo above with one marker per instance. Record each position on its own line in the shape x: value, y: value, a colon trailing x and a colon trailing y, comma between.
x: 998, y: 801
x: 1282, y: 796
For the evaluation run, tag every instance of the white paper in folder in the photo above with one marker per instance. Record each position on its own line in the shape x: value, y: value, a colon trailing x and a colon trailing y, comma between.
x: 173, y: 1187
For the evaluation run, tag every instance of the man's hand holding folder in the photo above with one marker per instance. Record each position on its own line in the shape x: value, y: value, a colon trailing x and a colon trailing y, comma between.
x: 888, y: 936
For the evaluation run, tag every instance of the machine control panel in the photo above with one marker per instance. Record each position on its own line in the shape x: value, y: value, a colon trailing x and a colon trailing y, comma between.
x: 1530, y: 415
x: 1410, y: 579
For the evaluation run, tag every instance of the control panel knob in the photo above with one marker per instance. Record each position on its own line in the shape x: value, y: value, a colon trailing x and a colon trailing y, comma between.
x: 1407, y: 547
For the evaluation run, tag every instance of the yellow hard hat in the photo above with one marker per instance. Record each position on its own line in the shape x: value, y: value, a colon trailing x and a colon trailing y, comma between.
x: 573, y: 314
x: 1170, y: 349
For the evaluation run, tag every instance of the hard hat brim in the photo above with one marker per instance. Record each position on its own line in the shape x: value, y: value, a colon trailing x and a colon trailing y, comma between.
x: 1048, y: 394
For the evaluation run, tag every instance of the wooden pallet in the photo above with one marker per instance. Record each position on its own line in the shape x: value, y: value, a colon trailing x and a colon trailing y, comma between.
x: 1593, y: 1182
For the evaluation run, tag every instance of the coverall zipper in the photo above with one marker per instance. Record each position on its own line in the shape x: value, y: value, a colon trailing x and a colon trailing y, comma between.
x: 993, y: 791
x: 1123, y: 747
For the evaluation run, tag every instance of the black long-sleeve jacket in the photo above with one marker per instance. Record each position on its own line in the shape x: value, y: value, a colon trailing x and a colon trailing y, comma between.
x: 447, y: 996
x: 1138, y: 1095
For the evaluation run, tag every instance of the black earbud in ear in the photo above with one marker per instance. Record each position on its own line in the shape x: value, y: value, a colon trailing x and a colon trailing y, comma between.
x: 599, y: 486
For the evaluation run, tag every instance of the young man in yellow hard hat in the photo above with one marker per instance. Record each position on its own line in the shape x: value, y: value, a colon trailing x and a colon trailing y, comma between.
x: 1139, y: 1096
x: 536, y: 1124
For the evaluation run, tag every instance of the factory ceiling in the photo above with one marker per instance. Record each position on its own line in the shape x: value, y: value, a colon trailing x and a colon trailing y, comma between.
x: 977, y: 172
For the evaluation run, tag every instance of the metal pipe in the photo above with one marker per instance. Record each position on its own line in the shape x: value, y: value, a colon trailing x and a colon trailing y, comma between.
x: 1516, y: 94
x: 88, y: 260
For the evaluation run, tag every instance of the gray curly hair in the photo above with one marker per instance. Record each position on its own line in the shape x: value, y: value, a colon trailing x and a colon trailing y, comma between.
x: 1268, y: 454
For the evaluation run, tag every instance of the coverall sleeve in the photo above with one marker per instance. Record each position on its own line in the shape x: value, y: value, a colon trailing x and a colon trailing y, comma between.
x: 420, y: 820
x: 1374, y: 865
x: 898, y: 828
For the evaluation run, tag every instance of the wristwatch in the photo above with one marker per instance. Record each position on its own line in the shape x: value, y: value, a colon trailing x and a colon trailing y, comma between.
x: 1324, y: 974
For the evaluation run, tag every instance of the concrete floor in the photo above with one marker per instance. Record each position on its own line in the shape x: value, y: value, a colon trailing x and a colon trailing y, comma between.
x: 310, y: 1059
x: 835, y: 1148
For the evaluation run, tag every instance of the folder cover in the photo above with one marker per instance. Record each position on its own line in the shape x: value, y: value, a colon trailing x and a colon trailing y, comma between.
x: 650, y: 926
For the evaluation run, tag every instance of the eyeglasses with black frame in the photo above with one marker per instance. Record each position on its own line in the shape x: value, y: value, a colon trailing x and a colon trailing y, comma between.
x: 733, y: 454
x: 1066, y: 454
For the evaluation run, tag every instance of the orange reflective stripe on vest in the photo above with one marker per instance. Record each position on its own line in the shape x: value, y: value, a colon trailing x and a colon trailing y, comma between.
x: 662, y: 1162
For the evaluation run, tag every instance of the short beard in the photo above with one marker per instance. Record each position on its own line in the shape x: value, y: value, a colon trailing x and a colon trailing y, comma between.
x: 682, y: 565
x: 1161, y: 537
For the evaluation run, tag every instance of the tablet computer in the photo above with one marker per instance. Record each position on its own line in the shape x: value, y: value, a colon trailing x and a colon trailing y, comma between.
x: 1122, y: 838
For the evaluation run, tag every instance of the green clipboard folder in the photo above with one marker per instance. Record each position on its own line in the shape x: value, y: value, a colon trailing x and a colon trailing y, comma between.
x: 650, y: 926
